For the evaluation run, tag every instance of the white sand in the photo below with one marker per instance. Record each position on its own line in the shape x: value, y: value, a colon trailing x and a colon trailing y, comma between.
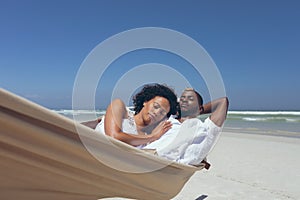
x: 248, y: 166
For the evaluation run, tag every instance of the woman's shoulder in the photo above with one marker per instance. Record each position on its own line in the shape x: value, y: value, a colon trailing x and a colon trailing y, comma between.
x: 118, y: 106
x: 118, y: 102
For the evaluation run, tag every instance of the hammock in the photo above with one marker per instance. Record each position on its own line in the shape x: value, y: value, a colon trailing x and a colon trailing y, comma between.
x: 43, y: 156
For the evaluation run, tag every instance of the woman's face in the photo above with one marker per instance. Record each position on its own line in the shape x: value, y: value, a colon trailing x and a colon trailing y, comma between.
x: 155, y: 110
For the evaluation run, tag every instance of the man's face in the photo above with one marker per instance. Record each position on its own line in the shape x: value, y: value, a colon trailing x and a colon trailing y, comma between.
x: 189, y: 104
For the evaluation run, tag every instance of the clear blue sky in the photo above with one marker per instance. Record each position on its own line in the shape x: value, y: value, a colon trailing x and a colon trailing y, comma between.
x: 255, y: 45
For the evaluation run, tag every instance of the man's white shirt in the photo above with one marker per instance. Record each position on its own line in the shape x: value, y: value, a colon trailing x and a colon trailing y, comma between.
x: 188, y: 142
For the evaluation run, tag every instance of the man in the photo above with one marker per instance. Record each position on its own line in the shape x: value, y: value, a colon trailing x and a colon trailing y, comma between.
x: 190, y: 140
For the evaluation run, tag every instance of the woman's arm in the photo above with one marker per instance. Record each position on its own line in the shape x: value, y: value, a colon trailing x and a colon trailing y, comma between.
x: 114, y: 116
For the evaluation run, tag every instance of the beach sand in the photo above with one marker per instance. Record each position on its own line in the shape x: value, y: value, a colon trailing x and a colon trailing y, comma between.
x: 248, y: 166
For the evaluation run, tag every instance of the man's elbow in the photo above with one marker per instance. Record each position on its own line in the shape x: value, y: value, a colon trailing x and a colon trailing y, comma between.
x: 220, y: 113
x: 222, y: 104
x: 225, y: 101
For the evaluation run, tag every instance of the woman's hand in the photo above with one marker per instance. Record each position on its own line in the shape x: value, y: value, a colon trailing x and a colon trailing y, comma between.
x: 160, y: 129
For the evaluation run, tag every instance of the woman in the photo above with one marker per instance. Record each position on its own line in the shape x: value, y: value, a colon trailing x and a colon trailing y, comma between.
x: 152, y: 106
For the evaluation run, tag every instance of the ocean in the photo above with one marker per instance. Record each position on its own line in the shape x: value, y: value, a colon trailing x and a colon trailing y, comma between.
x: 281, y: 123
x: 278, y: 123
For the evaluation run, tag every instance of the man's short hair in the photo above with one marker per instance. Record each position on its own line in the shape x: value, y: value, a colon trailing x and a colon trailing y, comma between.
x: 199, y: 97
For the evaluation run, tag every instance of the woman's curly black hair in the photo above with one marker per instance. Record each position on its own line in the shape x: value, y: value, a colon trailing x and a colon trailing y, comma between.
x: 150, y: 91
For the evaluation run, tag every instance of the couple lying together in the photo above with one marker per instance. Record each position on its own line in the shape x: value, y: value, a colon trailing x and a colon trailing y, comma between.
x: 158, y: 121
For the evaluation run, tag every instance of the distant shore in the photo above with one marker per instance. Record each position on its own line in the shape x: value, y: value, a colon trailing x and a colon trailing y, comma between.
x: 277, y: 123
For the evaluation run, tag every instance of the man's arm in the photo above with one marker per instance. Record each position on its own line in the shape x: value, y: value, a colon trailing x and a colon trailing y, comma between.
x: 93, y: 123
x: 218, y: 109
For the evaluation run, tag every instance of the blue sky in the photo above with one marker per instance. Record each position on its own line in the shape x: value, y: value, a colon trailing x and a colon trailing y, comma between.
x: 254, y: 44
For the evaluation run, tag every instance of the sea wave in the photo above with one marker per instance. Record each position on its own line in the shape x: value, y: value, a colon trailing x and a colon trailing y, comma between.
x: 254, y: 119
x: 271, y: 119
x: 265, y: 116
x: 79, y: 112
x: 264, y: 113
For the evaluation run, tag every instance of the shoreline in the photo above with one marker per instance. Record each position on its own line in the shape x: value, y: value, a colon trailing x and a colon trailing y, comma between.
x: 278, y: 123
x: 252, y: 131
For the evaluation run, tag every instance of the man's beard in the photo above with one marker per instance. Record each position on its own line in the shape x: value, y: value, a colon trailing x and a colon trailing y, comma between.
x: 191, y: 111
x: 188, y: 113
